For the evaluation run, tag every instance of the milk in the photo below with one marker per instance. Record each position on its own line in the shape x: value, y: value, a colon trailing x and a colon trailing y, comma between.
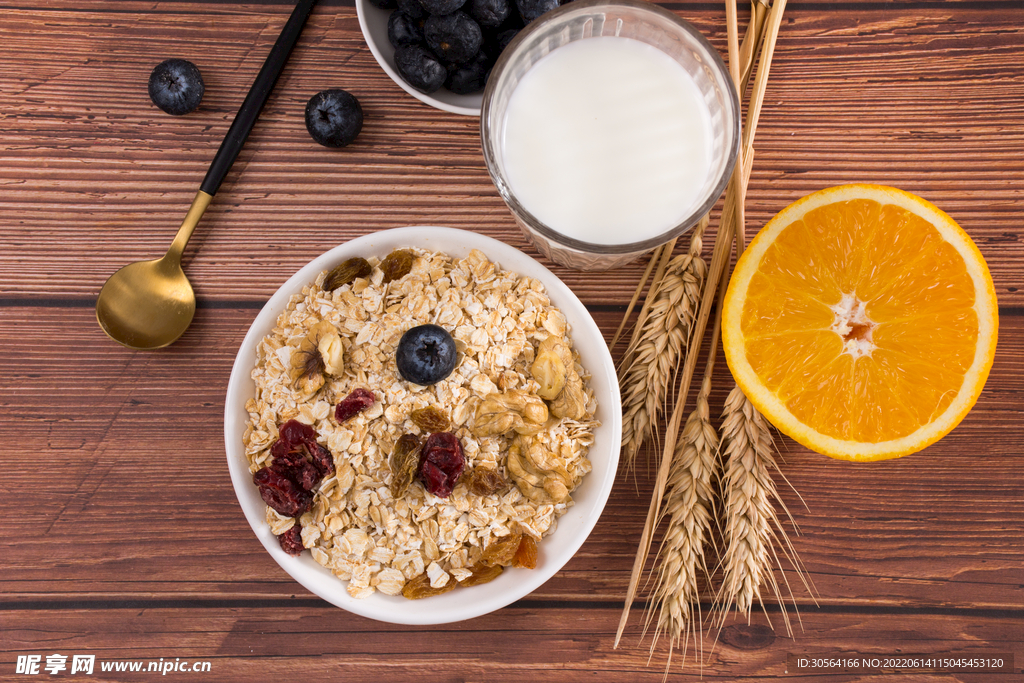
x: 607, y: 140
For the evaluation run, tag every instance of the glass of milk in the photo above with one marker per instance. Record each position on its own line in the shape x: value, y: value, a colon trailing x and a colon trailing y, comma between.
x: 609, y: 127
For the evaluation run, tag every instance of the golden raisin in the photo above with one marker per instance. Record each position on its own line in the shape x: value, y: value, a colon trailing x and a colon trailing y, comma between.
x: 502, y: 550
x: 396, y: 265
x: 346, y: 273
x: 526, y: 553
x: 404, y: 461
x: 484, y: 481
x: 482, y: 573
x: 420, y: 587
x: 430, y: 419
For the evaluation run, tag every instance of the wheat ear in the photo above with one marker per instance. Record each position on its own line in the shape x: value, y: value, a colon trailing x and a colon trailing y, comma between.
x: 689, y: 506
x: 753, y: 534
x: 655, y: 353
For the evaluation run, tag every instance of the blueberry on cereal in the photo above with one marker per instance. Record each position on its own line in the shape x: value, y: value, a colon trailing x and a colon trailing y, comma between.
x: 426, y: 355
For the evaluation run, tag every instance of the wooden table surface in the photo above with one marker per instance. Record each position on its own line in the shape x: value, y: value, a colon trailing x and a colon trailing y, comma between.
x: 122, y: 537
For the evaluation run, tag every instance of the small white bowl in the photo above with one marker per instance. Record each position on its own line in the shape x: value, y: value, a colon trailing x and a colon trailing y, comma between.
x: 374, y: 23
x: 573, y: 527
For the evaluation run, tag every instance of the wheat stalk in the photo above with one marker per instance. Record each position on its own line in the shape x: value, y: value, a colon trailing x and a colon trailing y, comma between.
x: 690, y: 508
x: 655, y: 353
x: 753, y: 533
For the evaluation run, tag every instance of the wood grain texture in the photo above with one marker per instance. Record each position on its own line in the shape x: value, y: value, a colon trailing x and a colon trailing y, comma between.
x: 122, y: 534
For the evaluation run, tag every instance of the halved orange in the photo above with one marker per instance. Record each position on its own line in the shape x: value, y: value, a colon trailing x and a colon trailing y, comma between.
x: 862, y: 322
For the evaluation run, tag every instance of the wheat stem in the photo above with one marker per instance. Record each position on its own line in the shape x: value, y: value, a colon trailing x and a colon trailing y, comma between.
x: 754, y: 535
x: 690, y: 509
x: 662, y: 340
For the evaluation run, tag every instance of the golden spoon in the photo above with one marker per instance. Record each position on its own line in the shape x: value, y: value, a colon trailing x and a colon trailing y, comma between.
x: 149, y: 304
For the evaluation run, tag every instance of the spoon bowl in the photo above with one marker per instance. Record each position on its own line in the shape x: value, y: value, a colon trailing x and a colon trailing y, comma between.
x: 146, y: 305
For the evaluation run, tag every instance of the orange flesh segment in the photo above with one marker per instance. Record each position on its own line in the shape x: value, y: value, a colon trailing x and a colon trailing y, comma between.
x: 918, y: 293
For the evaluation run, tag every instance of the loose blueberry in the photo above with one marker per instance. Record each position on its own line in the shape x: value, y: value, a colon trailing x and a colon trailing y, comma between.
x: 488, y: 13
x: 531, y: 9
x: 455, y: 38
x: 471, y: 76
x: 404, y: 30
x: 441, y: 6
x: 334, y: 117
x: 420, y: 68
x: 426, y: 355
x: 176, y: 86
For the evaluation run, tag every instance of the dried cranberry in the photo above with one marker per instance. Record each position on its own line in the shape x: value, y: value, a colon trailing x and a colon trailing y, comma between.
x: 294, y: 465
x: 441, y: 463
x: 298, y: 456
x: 294, y: 432
x: 323, y: 460
x: 291, y: 540
x: 353, y: 404
x: 281, y: 493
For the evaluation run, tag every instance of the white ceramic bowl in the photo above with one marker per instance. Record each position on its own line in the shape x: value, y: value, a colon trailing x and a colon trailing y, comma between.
x: 573, y: 527
x: 374, y: 23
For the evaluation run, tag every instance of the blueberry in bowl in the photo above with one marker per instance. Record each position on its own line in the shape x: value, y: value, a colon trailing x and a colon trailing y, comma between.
x: 420, y: 68
x: 447, y: 70
x: 455, y: 38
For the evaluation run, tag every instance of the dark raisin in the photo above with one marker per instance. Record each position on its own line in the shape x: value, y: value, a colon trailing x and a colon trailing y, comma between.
x: 441, y: 463
x: 281, y: 493
x: 346, y: 273
x: 396, y: 265
x: 430, y: 419
x: 484, y: 481
x: 291, y: 541
x: 356, y: 402
x: 404, y: 461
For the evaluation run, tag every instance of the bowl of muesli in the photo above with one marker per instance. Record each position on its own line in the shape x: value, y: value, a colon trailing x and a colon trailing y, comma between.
x: 422, y: 425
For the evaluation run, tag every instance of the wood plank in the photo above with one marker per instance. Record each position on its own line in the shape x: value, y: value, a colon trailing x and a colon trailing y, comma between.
x: 256, y: 643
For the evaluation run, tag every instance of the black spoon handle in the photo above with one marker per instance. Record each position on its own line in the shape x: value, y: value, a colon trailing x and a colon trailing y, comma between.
x: 257, y: 97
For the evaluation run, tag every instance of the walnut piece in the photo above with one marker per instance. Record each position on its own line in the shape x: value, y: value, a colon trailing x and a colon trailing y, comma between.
x: 540, y: 474
x: 514, y: 410
x: 549, y: 369
x: 569, y: 400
